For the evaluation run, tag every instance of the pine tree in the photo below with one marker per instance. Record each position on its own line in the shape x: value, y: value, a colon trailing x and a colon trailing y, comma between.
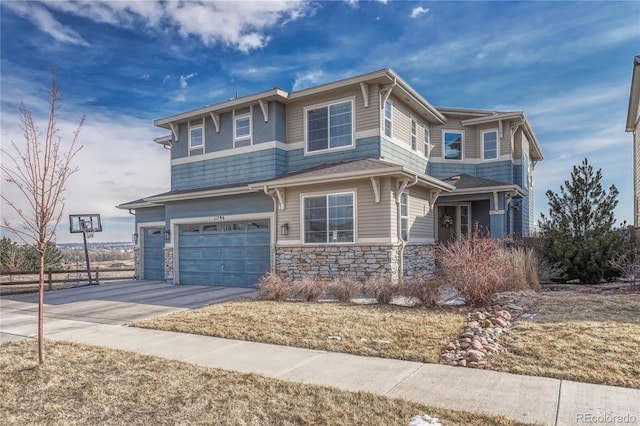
x: 580, y: 231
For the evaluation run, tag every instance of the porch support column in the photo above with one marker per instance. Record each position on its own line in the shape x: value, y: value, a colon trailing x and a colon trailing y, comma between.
x: 497, y: 215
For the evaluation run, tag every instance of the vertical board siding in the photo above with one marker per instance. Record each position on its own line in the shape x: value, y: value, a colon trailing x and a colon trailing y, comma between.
x: 636, y: 175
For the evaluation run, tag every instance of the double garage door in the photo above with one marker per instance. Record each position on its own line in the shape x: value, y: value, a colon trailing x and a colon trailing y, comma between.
x: 230, y: 254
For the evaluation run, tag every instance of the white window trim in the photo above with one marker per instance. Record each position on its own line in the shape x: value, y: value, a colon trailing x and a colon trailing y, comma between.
x: 405, y: 217
x: 413, y: 134
x: 444, y: 131
x: 193, y: 127
x: 426, y: 138
x: 384, y: 120
x: 484, y: 132
x: 239, y: 117
x: 328, y: 104
x: 354, y: 194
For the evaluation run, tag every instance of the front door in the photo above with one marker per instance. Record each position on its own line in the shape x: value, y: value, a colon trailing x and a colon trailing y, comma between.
x: 453, y: 220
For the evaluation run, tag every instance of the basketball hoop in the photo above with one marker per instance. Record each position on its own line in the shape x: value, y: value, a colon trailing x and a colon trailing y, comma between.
x: 88, y: 232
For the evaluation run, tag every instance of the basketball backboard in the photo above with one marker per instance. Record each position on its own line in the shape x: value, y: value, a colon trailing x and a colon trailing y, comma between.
x: 79, y: 223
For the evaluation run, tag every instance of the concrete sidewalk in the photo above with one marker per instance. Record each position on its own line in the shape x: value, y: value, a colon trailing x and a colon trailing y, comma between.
x: 528, y: 399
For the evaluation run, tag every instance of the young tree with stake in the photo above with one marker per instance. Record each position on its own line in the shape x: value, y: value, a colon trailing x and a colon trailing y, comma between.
x: 39, y: 170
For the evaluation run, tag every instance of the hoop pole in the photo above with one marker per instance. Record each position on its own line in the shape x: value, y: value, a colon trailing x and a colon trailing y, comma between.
x: 86, y: 256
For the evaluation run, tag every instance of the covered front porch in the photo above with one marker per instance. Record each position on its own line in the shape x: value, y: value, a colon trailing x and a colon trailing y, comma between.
x: 476, y: 202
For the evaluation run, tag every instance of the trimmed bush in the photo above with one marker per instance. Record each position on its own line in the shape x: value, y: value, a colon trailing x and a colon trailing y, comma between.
x: 423, y: 289
x: 273, y: 287
x: 381, y: 287
x: 345, y: 289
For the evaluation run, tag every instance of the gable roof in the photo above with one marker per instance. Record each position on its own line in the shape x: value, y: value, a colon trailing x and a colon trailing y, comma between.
x: 634, y: 96
x: 385, y: 77
x: 479, y: 116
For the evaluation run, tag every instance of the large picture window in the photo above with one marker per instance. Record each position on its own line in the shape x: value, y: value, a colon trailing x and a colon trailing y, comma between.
x: 453, y: 144
x: 329, y: 218
x: 330, y: 126
x: 490, y: 145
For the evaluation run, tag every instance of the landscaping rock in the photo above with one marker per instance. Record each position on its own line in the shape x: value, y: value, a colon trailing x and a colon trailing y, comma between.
x: 424, y: 420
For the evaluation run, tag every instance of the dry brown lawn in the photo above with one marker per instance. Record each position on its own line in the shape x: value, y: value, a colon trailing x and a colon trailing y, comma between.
x: 370, y: 330
x: 86, y: 385
x: 576, y: 335
x: 580, y: 336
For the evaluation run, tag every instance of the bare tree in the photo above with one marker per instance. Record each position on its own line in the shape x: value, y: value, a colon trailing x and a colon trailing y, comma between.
x: 39, y: 170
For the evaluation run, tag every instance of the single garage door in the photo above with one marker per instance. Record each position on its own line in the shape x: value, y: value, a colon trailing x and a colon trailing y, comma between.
x: 153, y: 254
x: 231, y: 254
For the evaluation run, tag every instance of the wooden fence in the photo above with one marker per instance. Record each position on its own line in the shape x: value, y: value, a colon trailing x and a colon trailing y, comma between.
x: 27, y: 281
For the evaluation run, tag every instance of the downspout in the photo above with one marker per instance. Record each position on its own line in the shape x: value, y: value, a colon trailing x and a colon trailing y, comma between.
x: 399, y: 225
x: 275, y: 230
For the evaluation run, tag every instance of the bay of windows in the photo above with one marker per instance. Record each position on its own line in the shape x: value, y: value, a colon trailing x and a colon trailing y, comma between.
x: 329, y: 218
x: 330, y: 126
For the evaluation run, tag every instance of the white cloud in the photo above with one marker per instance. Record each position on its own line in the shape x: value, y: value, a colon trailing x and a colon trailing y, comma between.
x: 166, y: 79
x: 185, y: 78
x: 42, y: 18
x: 418, y: 11
x: 118, y: 162
x: 239, y: 25
x: 308, y: 79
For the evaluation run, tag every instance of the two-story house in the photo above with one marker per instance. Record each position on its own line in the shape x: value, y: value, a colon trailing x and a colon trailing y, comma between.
x: 633, y: 126
x: 358, y: 176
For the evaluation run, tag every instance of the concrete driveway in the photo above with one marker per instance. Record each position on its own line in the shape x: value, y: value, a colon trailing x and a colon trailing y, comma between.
x: 115, y: 304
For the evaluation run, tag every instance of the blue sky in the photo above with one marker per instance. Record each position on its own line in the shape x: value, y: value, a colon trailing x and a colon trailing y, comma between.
x: 123, y: 64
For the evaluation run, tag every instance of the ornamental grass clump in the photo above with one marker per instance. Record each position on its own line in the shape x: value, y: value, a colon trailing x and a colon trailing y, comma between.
x: 273, y: 287
x: 422, y: 289
x: 525, y: 270
x: 345, y: 289
x: 310, y: 288
x: 477, y: 265
x: 381, y: 287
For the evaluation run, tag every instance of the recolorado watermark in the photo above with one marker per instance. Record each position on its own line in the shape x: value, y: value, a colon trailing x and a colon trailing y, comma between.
x: 606, y: 418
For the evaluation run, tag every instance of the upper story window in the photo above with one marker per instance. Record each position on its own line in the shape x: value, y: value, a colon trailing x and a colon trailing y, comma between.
x: 388, y: 119
x: 414, y: 134
x: 242, y: 127
x: 452, y: 144
x: 404, y: 216
x: 490, y: 145
x: 329, y: 126
x: 427, y: 141
x: 329, y: 218
x: 525, y: 171
x: 196, y: 137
